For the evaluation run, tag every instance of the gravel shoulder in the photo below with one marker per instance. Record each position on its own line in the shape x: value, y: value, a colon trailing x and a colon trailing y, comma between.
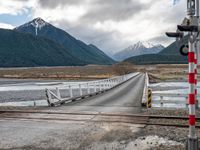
x: 68, y: 135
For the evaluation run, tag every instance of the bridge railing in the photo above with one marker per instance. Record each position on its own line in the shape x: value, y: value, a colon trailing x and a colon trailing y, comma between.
x: 60, y: 95
x: 171, y: 98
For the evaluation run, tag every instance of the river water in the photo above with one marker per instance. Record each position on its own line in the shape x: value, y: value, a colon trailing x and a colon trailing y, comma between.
x: 32, y: 93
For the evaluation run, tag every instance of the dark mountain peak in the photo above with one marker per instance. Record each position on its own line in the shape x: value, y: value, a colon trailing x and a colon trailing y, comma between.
x: 39, y: 21
x: 37, y: 24
x: 78, y: 49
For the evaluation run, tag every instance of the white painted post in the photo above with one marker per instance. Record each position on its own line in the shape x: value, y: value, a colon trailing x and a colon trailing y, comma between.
x: 88, y: 89
x: 100, y: 86
x: 58, y: 93
x: 80, y: 90
x: 95, y: 87
x: 104, y: 85
x: 109, y: 81
x: 70, y: 91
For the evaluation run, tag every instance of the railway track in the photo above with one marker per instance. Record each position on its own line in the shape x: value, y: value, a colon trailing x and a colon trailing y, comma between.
x: 180, y: 121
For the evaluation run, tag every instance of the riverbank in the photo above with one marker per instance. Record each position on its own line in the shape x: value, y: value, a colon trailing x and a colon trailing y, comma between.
x: 157, y: 73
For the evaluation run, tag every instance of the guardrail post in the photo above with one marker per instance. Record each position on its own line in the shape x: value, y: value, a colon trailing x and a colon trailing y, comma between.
x: 106, y: 84
x: 100, y: 86
x: 88, y: 90
x: 110, y: 84
x: 70, y: 91
x: 48, y: 95
x: 58, y: 92
x: 95, y: 87
x: 149, y: 98
x: 161, y: 101
x: 80, y: 90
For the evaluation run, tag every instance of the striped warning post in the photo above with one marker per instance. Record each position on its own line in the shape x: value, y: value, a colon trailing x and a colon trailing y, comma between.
x: 149, y: 98
x: 195, y: 71
x: 191, y: 96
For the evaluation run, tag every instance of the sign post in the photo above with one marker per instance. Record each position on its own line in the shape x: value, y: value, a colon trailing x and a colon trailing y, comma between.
x: 191, y: 26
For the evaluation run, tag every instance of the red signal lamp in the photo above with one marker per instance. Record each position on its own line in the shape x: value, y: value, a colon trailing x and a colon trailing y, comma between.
x: 184, y: 50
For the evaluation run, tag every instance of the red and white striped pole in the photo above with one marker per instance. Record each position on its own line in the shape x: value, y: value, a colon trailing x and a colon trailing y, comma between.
x: 192, y: 138
x: 195, y: 71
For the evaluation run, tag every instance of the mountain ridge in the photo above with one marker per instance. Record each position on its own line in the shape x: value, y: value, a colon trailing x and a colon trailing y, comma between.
x: 140, y: 48
x: 169, y: 55
x: 39, y: 27
x: 25, y: 50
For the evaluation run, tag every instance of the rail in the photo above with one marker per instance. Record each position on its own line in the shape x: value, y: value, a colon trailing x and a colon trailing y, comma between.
x: 43, y: 115
x: 60, y: 95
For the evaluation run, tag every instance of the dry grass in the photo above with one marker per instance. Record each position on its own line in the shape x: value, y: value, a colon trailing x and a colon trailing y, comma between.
x: 156, y: 73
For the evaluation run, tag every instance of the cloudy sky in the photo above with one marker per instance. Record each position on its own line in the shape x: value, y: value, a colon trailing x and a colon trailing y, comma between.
x: 110, y: 24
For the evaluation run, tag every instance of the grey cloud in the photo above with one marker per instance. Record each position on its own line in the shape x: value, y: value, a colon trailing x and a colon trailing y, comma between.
x: 107, y: 41
x: 113, y: 10
x: 162, y: 39
x: 55, y: 3
x: 22, y: 0
x: 102, y: 10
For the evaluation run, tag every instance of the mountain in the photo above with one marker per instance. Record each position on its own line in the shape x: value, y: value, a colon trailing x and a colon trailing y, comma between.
x: 25, y: 50
x: 140, y: 48
x: 86, y: 53
x: 169, y: 55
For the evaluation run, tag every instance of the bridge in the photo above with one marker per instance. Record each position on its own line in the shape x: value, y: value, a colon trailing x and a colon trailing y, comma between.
x: 121, y: 94
x: 79, y: 110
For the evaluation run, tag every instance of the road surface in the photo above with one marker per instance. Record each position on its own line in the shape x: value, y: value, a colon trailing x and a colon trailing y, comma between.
x: 69, y: 135
x: 125, y: 98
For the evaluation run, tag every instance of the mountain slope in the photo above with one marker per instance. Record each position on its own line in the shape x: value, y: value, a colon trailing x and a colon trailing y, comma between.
x: 169, y: 55
x: 24, y: 50
x: 137, y: 49
x: 80, y: 50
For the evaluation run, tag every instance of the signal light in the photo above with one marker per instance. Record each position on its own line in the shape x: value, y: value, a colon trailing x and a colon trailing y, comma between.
x: 188, y: 28
x: 174, y: 34
x: 184, y: 50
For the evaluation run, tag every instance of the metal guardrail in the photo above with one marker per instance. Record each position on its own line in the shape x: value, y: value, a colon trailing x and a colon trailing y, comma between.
x: 85, y: 89
x: 168, y: 98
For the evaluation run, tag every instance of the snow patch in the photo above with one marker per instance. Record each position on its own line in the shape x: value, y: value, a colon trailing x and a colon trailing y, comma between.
x: 38, y: 23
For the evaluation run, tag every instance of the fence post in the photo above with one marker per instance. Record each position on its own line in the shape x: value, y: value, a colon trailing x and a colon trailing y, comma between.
x: 70, y: 91
x: 100, y: 86
x: 58, y: 93
x: 110, y: 84
x: 80, y: 90
x: 95, y: 87
x: 48, y: 95
x: 88, y: 90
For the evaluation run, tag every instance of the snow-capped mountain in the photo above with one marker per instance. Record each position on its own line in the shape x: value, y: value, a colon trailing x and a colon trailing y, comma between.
x: 140, y: 48
x: 89, y: 54
x: 37, y: 23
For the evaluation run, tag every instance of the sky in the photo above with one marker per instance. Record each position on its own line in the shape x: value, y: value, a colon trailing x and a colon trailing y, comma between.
x: 112, y: 25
